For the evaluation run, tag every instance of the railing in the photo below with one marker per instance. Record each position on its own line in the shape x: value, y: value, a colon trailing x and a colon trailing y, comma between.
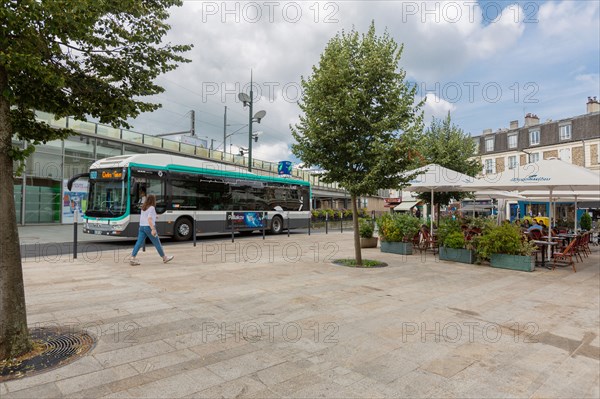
x: 175, y: 146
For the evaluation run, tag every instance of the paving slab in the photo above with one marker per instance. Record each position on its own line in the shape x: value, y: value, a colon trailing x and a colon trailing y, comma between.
x: 290, y: 323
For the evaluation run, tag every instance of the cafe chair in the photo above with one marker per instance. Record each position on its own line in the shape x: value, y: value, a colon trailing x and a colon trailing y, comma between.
x: 565, y: 256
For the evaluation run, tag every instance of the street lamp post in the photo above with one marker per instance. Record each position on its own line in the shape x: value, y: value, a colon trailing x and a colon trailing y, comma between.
x: 249, y: 101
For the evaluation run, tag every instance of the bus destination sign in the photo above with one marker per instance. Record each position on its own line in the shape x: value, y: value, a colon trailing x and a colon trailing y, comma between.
x: 105, y: 174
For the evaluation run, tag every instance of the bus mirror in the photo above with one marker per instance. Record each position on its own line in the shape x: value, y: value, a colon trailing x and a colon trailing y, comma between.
x: 72, y: 179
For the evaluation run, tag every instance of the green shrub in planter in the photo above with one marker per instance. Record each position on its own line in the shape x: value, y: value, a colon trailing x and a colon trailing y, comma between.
x: 453, y: 249
x: 397, y: 231
x: 398, y: 227
x: 506, y: 239
x: 447, y: 227
x: 365, y: 231
x: 365, y: 228
x: 454, y: 240
x: 586, y: 222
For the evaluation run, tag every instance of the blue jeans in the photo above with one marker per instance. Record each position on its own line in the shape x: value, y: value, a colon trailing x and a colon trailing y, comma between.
x: 146, y: 231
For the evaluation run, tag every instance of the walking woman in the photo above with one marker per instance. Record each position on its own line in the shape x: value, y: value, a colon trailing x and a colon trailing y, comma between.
x: 148, y: 229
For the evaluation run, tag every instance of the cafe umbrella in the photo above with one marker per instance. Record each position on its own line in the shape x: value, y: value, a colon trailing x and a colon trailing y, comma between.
x: 435, y: 178
x: 548, y: 175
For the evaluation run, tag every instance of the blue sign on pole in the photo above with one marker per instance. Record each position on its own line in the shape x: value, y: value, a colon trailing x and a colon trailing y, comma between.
x: 284, y: 168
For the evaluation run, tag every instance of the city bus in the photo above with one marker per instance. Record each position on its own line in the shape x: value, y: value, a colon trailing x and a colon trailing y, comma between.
x: 219, y: 197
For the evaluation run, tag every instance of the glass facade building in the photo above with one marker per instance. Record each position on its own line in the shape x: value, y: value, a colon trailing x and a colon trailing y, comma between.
x: 39, y: 192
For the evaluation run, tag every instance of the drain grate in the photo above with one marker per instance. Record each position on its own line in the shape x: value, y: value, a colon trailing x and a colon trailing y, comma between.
x: 61, y: 346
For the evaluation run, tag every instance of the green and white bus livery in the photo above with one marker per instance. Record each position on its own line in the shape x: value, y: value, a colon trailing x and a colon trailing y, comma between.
x: 218, y: 196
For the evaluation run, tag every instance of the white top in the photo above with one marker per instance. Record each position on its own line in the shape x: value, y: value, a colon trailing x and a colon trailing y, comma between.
x: 148, y: 213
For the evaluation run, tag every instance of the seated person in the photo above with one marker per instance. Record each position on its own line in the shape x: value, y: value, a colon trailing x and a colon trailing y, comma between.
x: 535, y: 226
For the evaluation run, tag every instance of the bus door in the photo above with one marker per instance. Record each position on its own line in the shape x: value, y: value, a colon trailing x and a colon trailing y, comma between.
x: 148, y: 182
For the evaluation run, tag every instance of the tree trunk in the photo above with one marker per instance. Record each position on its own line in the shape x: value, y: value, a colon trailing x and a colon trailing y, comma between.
x: 14, y: 336
x: 357, y: 253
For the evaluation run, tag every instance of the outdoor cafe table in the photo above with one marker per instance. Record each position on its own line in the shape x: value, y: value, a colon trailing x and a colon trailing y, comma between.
x: 568, y: 236
x: 544, y: 244
x: 565, y: 238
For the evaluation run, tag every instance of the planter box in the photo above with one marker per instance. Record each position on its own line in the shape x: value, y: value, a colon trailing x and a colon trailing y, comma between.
x: 457, y: 255
x: 368, y: 242
x: 401, y: 248
x: 513, y: 262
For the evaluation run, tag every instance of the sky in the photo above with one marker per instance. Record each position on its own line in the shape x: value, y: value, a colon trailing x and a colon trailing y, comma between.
x: 485, y: 62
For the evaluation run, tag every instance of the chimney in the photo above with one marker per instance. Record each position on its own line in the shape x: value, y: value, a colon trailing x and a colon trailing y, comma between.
x: 593, y: 105
x: 487, y: 131
x: 514, y: 124
x: 531, y: 119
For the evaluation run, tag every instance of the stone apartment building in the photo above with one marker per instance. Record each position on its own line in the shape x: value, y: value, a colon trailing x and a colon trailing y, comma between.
x: 575, y: 139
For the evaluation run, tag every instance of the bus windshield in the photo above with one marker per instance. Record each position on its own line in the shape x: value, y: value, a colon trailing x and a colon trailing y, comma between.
x: 108, y: 198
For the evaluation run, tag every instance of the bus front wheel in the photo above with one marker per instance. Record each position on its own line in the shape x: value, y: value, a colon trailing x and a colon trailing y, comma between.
x: 183, y: 230
x: 276, y: 225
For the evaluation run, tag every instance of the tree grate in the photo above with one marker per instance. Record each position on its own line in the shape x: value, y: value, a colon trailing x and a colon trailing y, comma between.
x: 60, y: 346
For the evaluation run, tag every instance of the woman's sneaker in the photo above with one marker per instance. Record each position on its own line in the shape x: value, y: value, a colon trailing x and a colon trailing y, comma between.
x: 134, y: 262
x: 168, y: 259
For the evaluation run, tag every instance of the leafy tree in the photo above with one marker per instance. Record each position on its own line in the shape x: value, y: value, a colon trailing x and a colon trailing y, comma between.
x: 80, y: 58
x: 447, y: 145
x: 360, y: 119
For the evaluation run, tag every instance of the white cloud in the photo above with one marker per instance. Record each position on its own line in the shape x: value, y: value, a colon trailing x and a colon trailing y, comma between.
x: 442, y: 40
x: 273, y: 152
x: 593, y: 79
x: 436, y: 107
x: 566, y: 20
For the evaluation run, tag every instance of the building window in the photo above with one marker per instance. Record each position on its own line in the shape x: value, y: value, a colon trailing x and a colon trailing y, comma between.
x: 476, y: 146
x: 512, y: 162
x: 534, y: 137
x: 534, y: 157
x: 489, y: 144
x: 490, y: 166
x: 564, y: 132
x: 512, y: 141
x: 565, y: 154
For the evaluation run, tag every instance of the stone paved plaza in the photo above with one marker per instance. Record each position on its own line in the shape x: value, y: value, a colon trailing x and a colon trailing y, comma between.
x: 275, y: 318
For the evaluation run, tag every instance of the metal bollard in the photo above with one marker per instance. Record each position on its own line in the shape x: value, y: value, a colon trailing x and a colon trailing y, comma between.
x: 264, y: 225
x: 288, y: 219
x: 326, y: 223
x: 341, y: 222
x: 309, y: 223
x: 194, y: 229
x: 75, y: 236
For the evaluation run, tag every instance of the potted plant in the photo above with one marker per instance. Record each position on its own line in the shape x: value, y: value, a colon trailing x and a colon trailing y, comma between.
x: 365, y: 230
x: 397, y: 232
x: 585, y: 222
x: 505, y: 247
x: 454, y: 249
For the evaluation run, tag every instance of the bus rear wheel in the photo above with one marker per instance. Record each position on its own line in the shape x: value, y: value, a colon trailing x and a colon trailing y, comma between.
x: 183, y: 230
x: 276, y: 225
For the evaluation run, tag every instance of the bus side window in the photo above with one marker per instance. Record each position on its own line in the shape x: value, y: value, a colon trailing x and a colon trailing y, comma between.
x: 184, y: 194
x: 156, y: 187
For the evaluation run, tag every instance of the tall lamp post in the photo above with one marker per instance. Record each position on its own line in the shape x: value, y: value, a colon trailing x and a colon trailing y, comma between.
x: 248, y: 100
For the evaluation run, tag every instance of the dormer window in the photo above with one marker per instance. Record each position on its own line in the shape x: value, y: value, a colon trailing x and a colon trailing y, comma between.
x: 534, y: 137
x: 512, y: 140
x: 489, y: 144
x: 564, y: 132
